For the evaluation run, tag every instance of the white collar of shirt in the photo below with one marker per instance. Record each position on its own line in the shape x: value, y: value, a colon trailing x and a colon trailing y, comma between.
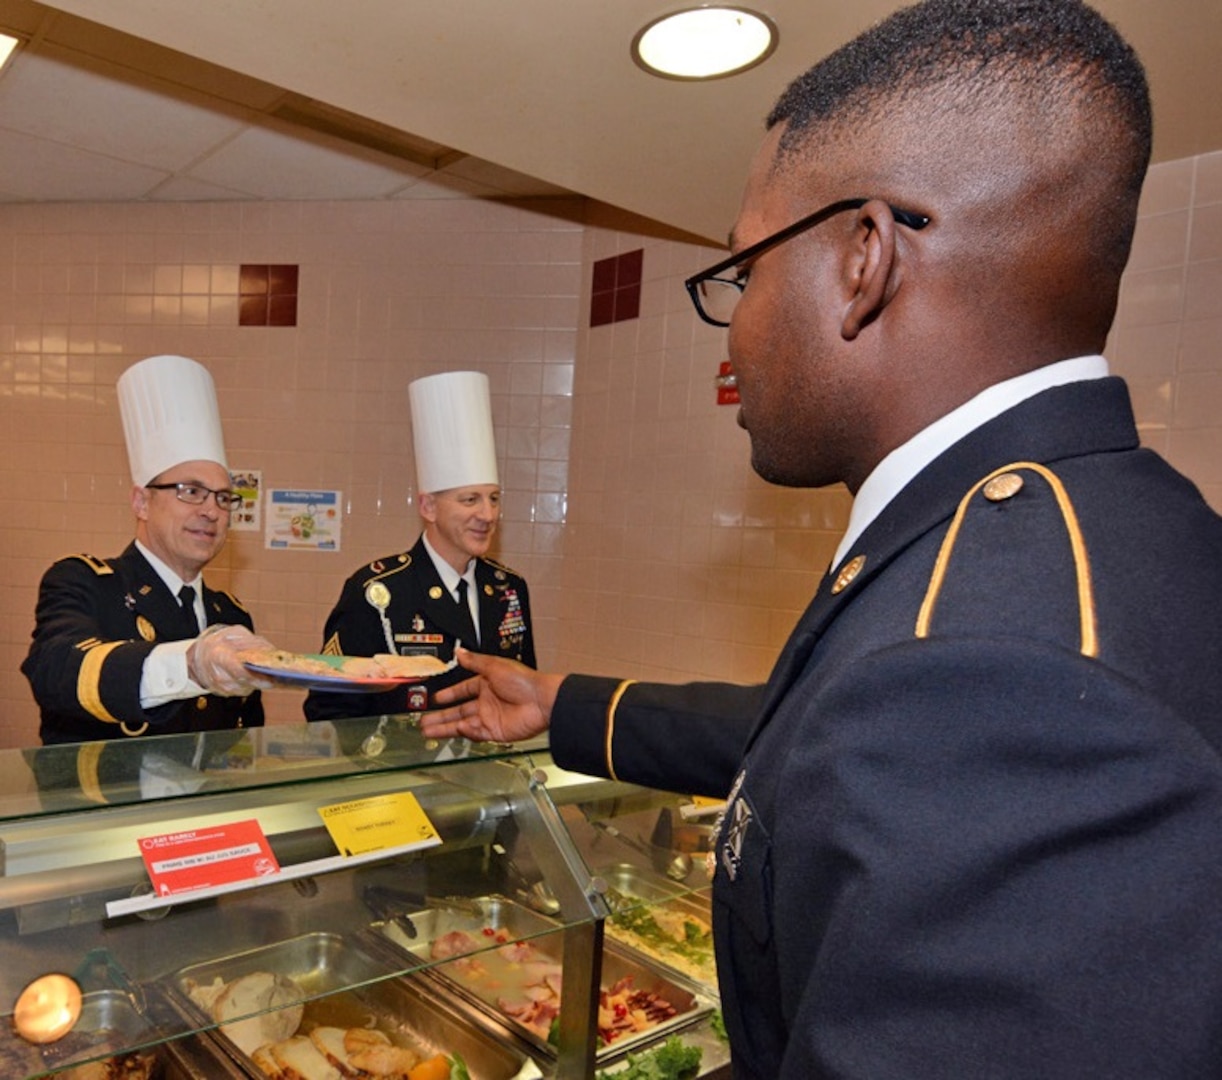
x: 173, y: 582
x: 449, y: 576
x: 893, y: 473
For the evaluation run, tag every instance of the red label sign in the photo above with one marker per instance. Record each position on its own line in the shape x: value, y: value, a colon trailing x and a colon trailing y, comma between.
x: 200, y: 858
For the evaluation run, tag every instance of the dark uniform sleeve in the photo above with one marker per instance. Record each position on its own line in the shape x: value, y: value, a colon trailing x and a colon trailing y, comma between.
x: 73, y: 669
x: 686, y: 738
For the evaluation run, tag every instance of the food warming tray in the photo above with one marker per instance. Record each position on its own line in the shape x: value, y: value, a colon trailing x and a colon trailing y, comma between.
x: 499, y: 980
x: 665, y: 925
x: 325, y: 964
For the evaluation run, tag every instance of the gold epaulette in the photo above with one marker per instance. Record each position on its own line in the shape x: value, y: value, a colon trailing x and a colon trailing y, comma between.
x: 998, y: 486
x: 99, y: 566
x: 381, y: 568
x: 501, y: 566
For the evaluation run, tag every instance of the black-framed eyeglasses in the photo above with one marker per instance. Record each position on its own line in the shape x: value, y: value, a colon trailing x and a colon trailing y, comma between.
x: 716, y: 297
x: 197, y: 495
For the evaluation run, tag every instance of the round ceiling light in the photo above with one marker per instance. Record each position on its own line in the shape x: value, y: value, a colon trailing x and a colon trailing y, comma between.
x: 704, y: 43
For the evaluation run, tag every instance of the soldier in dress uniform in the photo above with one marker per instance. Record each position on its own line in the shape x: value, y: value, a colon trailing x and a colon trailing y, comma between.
x: 973, y: 819
x: 445, y: 589
x: 139, y: 645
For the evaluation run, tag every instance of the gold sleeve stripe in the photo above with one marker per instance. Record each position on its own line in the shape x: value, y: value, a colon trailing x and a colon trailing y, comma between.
x: 87, y: 771
x: 612, y: 705
x: 1088, y: 635
x: 332, y: 648
x: 88, y: 682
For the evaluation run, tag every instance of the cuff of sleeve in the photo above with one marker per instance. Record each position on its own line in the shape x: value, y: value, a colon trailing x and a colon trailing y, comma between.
x: 582, y: 723
x: 165, y: 677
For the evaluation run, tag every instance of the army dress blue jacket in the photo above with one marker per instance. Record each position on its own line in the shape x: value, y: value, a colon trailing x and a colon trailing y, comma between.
x: 398, y: 604
x: 974, y: 826
x: 96, y: 622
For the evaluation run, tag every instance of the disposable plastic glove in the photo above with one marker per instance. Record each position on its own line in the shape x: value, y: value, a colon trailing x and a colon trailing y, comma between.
x: 216, y: 660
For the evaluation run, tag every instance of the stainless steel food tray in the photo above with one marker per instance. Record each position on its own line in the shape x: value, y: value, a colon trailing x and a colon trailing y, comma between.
x: 416, y: 928
x: 514, y: 922
x: 402, y: 1008
x: 677, y: 956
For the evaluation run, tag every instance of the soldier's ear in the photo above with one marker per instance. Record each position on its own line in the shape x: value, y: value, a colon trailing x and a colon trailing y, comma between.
x: 140, y: 502
x: 428, y: 506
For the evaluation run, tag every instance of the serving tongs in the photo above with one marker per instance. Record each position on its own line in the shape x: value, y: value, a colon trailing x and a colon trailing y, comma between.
x: 388, y: 905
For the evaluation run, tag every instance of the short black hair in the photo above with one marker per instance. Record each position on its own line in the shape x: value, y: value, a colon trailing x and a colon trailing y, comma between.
x: 1051, y: 47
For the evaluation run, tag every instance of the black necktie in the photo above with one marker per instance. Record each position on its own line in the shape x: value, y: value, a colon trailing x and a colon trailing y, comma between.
x: 186, y: 596
x: 464, y: 613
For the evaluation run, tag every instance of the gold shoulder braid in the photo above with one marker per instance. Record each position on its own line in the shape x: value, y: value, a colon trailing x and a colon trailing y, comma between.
x: 999, y: 485
x: 501, y: 566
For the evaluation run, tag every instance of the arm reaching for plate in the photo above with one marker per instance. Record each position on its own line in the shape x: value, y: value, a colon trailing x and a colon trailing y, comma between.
x: 506, y: 702
x: 217, y: 659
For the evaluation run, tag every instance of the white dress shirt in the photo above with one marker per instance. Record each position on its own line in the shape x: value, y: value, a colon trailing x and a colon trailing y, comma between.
x: 893, y: 473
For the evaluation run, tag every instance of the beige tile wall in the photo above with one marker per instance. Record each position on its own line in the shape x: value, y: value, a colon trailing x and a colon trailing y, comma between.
x: 652, y: 549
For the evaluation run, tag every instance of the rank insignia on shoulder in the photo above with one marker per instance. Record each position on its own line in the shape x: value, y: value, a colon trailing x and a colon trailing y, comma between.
x: 377, y: 566
x: 98, y: 566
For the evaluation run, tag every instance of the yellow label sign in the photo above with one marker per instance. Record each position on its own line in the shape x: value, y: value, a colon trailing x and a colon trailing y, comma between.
x: 383, y: 821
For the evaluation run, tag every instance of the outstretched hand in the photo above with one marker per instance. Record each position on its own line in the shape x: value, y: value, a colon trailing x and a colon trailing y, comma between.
x: 505, y: 702
x: 217, y: 658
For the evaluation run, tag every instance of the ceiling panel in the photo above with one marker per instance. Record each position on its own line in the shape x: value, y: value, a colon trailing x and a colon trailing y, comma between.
x: 419, y: 99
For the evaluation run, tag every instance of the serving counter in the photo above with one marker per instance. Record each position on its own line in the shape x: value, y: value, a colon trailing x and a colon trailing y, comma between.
x: 222, y: 900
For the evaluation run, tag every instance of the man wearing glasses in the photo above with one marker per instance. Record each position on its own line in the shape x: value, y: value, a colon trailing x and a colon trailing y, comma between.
x: 973, y: 820
x: 138, y: 644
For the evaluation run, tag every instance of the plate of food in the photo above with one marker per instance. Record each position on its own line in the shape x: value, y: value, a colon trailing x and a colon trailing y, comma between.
x: 356, y: 674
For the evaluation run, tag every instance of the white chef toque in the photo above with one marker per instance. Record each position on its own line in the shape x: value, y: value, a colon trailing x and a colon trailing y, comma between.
x: 452, y: 431
x: 170, y: 415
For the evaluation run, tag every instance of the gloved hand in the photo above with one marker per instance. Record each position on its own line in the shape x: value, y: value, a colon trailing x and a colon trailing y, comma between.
x: 216, y: 660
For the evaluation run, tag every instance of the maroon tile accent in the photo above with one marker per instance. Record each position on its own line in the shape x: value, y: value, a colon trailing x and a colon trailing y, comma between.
x: 252, y: 310
x: 602, y: 308
x: 267, y: 294
x: 282, y: 280
x: 253, y: 280
x: 627, y: 302
x: 631, y: 263
x: 615, y: 292
x: 282, y: 311
x: 604, y: 275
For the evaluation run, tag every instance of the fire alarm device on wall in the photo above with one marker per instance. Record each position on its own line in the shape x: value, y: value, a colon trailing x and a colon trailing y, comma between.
x: 727, y: 385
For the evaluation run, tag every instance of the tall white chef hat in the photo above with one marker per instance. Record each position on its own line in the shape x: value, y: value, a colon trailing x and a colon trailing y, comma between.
x: 452, y: 430
x: 170, y: 415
